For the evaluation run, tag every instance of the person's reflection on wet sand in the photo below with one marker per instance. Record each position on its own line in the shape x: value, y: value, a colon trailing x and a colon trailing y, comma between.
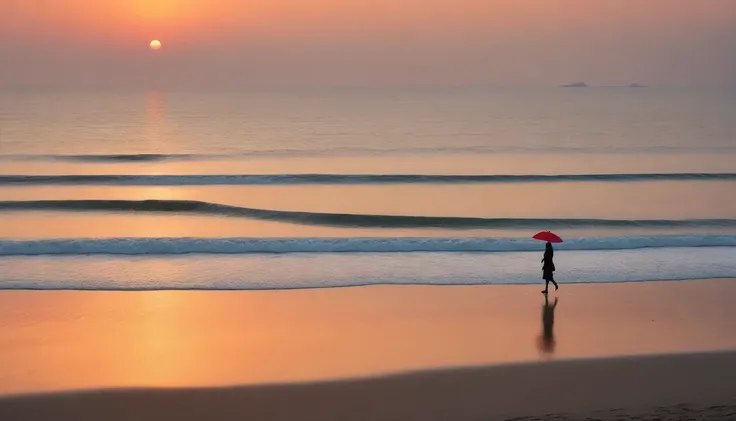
x: 547, y: 340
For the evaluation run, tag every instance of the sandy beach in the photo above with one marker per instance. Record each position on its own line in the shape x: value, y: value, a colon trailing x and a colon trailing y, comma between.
x: 381, y: 352
x: 697, y: 387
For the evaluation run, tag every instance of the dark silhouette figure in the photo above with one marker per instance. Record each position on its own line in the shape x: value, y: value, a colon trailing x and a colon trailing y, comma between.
x: 547, y: 341
x: 548, y: 267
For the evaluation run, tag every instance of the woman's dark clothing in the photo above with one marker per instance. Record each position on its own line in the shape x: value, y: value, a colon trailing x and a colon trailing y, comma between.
x: 549, y: 265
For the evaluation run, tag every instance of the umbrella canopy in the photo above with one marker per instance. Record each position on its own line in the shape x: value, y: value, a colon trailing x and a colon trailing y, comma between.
x: 548, y: 236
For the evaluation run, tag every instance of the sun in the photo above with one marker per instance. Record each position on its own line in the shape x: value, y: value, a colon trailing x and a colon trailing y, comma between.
x: 156, y: 45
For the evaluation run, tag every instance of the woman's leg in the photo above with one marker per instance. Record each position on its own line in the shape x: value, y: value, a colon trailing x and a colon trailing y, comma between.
x: 555, y: 284
x: 546, y: 286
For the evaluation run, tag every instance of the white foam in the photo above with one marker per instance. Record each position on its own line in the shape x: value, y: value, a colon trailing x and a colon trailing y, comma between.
x: 175, y: 246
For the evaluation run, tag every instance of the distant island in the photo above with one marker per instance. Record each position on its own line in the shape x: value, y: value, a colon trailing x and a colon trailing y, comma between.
x: 585, y: 85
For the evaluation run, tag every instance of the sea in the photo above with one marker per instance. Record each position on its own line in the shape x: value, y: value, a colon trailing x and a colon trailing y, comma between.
x: 337, y: 187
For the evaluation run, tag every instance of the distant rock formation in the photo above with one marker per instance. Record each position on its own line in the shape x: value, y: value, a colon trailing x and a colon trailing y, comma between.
x: 585, y: 85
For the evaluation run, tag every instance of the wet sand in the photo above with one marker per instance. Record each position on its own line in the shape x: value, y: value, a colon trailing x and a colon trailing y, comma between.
x: 382, y: 352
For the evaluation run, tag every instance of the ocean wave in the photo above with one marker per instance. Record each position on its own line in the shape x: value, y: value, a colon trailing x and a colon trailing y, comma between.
x: 114, y: 158
x: 330, y: 151
x: 109, y: 158
x: 177, y: 246
x: 326, y: 179
x: 145, y: 157
x: 191, y: 207
x: 284, y: 153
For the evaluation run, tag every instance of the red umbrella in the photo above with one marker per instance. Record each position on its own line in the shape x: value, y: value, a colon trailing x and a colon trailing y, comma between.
x: 548, y: 236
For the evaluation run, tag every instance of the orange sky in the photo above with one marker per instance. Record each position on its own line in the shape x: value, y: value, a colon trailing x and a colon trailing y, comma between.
x: 374, y: 41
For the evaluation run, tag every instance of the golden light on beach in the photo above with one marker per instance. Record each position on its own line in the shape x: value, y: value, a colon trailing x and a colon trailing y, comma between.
x: 155, y: 45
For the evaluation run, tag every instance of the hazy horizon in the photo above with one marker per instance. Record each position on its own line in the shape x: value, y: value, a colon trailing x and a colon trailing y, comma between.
x: 288, y: 43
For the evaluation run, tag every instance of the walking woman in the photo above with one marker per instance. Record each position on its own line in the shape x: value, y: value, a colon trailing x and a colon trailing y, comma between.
x: 548, y: 267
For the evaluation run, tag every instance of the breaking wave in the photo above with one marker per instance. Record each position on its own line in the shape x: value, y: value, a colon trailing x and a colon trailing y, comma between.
x: 291, y: 179
x: 190, y: 207
x: 177, y: 246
